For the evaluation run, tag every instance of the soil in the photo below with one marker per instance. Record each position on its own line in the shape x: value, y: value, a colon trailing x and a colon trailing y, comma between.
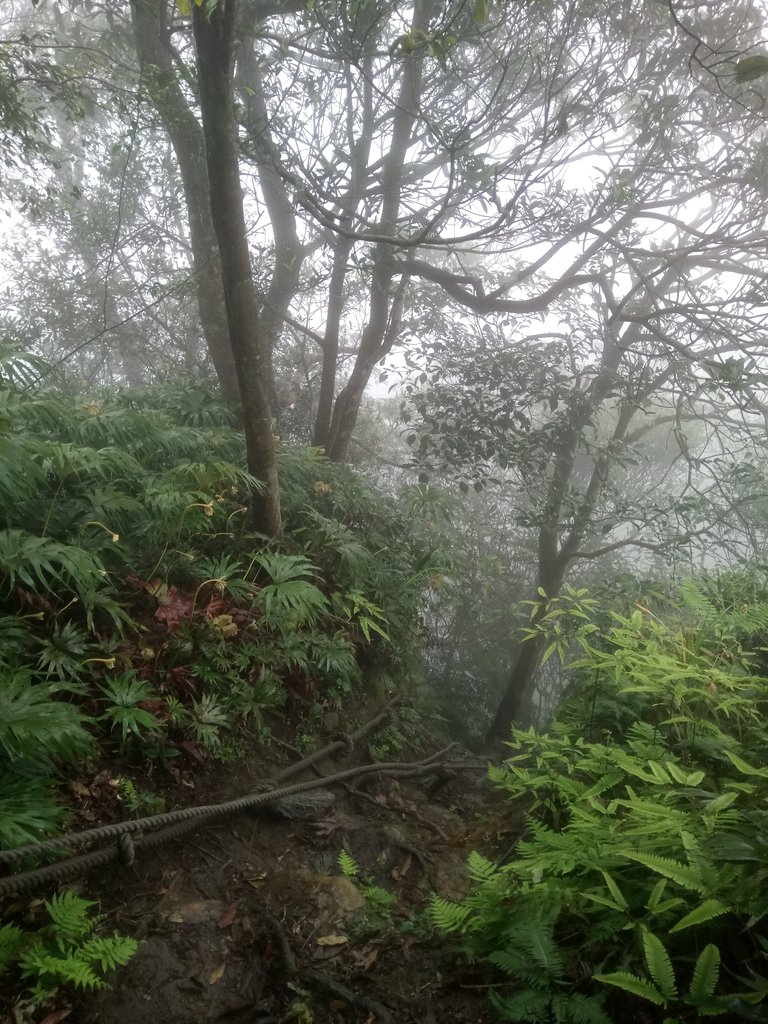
x: 251, y: 919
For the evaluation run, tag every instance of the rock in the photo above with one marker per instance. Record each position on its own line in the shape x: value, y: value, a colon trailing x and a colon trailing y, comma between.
x: 310, y: 804
x: 331, y: 721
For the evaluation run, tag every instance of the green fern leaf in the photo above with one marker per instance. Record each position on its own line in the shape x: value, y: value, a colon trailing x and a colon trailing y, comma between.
x: 634, y: 985
x: 11, y: 941
x: 706, y: 911
x: 447, y: 916
x: 527, y: 1005
x: 69, y: 915
x: 659, y: 965
x: 575, y: 1008
x: 480, y: 868
x: 686, y: 876
x: 348, y: 865
x: 706, y: 973
x: 108, y: 952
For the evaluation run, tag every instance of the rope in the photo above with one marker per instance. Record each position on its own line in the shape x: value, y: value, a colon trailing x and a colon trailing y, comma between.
x: 188, y: 817
x: 78, y: 840
x: 156, y: 829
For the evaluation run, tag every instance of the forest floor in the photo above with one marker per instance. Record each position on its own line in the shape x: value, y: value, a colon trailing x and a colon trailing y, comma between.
x: 251, y: 920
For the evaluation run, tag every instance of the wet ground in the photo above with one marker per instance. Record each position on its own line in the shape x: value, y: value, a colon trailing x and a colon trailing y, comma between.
x: 252, y: 920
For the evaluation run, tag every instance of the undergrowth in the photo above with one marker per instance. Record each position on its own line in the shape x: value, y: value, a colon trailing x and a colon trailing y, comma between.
x: 640, y: 888
x: 141, y: 618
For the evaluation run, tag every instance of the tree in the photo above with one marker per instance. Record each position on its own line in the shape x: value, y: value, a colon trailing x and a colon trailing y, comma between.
x: 152, y: 28
x: 562, y: 414
x: 215, y: 48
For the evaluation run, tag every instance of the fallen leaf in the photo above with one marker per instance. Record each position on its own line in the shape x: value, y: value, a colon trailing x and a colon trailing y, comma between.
x: 228, y: 916
x: 56, y: 1016
x: 332, y: 940
x: 367, y: 957
x: 256, y: 881
x: 218, y: 974
x: 399, y: 872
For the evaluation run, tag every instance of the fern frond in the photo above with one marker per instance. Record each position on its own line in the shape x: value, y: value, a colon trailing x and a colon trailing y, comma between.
x: 685, y: 875
x: 706, y: 973
x: 12, y: 940
x: 348, y: 864
x: 659, y: 964
x: 447, y: 916
x: 706, y: 911
x: 69, y: 915
x: 481, y: 869
x: 634, y: 985
x: 108, y: 952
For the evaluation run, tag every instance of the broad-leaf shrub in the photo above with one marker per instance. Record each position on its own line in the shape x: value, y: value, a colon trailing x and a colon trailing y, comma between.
x: 643, y: 866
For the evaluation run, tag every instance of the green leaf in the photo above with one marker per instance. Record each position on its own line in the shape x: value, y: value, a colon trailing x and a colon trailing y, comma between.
x: 706, y: 911
x: 634, y: 985
x: 743, y: 767
x: 751, y: 67
x: 684, y: 875
x: 615, y: 891
x: 706, y: 973
x: 659, y: 964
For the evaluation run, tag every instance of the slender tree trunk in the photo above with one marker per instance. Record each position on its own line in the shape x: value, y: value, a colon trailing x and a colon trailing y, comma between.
x: 385, y: 301
x: 215, y: 46
x: 152, y: 34
x: 287, y: 247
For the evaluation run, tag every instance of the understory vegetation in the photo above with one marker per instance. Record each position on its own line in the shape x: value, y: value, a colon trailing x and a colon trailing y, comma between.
x: 639, y: 889
x: 140, y: 617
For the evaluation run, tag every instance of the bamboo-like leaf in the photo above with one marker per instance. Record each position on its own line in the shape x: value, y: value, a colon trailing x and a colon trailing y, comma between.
x: 615, y: 891
x: 743, y: 767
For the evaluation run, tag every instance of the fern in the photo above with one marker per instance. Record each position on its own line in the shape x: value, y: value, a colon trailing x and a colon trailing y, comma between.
x: 64, y: 951
x: 11, y: 941
x: 447, y: 916
x: 659, y: 965
x: 634, y: 985
x: 348, y: 864
x: 69, y: 914
x: 706, y: 911
x: 705, y: 974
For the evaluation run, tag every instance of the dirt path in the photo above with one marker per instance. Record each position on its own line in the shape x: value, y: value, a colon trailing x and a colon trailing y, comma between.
x: 252, y: 920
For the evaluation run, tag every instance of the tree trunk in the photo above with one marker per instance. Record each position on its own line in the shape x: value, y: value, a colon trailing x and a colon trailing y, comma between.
x: 385, y: 302
x: 287, y: 247
x: 153, y: 49
x: 517, y: 690
x: 214, y: 44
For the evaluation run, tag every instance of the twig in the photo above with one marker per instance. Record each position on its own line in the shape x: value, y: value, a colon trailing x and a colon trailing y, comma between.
x: 322, y: 980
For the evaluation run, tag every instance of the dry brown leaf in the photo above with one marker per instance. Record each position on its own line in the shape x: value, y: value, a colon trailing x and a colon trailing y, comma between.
x: 365, y: 958
x: 228, y: 916
x: 399, y: 871
x: 56, y: 1016
x: 332, y: 940
x: 218, y: 974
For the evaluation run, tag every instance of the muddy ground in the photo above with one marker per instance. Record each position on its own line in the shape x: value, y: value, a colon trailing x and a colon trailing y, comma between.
x: 252, y: 920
